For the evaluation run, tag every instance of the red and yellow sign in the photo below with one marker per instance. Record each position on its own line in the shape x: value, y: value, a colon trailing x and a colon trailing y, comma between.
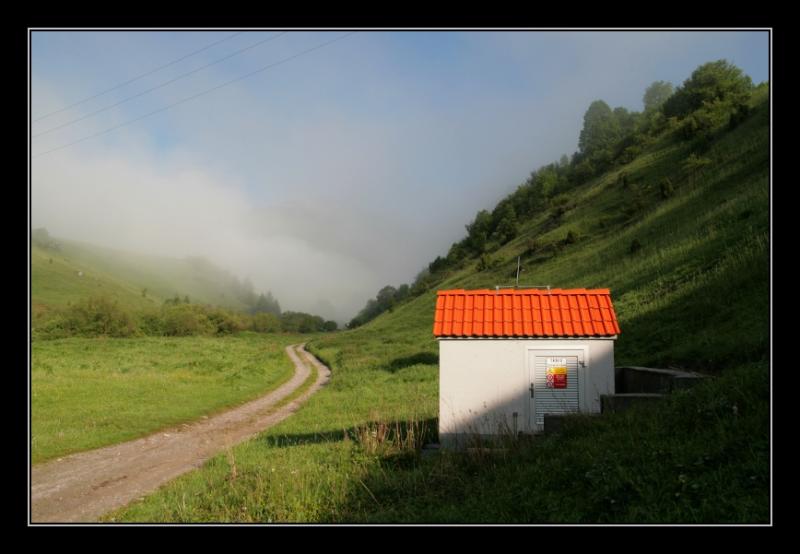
x: 557, y: 374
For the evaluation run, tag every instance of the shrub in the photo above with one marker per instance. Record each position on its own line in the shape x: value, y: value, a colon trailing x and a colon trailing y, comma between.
x: 186, y: 319
x: 265, y: 323
x: 151, y: 323
x: 629, y: 154
x: 695, y: 165
x: 98, y: 315
x: 55, y: 327
x: 487, y: 262
x: 225, y: 322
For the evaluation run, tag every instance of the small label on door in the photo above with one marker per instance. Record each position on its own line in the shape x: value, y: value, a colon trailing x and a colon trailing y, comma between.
x: 556, y: 373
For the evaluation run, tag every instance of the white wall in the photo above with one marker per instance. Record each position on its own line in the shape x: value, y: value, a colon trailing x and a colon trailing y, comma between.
x: 482, y: 382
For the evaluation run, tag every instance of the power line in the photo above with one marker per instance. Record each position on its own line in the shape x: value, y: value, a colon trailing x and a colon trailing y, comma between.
x: 245, y: 76
x: 129, y: 81
x: 162, y: 85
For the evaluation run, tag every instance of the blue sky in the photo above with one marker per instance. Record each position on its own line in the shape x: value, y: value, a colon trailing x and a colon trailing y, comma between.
x: 337, y: 172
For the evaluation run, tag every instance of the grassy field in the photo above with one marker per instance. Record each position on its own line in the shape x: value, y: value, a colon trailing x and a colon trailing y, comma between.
x: 87, y: 393
x: 696, y: 295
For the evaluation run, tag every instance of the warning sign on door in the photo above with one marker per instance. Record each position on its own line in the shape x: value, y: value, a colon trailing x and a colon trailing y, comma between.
x: 556, y: 373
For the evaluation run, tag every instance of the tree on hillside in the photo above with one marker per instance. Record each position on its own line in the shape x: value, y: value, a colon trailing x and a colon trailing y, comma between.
x: 403, y: 291
x: 507, y: 227
x: 626, y: 120
x: 478, y: 231
x: 388, y: 297
x: 718, y: 82
x: 601, y: 130
x: 40, y: 237
x: 385, y: 298
x: 266, y: 304
x: 248, y: 295
x: 656, y: 94
x: 547, y: 182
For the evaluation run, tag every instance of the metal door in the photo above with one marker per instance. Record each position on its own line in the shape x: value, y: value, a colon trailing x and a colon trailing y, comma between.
x: 553, y: 383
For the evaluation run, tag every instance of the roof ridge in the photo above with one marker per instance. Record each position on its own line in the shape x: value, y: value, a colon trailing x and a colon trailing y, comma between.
x: 524, y: 291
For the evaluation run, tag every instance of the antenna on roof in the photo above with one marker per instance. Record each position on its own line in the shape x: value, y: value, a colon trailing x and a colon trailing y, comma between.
x: 516, y: 285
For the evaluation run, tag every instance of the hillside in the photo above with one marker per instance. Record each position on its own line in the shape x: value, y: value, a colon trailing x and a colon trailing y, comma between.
x: 136, y: 281
x: 689, y: 275
x: 688, y: 269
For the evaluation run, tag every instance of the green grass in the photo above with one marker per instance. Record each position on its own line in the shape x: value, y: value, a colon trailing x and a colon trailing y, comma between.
x: 696, y: 296
x: 88, y: 393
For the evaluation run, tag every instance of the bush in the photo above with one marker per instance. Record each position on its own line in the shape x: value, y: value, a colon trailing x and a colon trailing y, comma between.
x: 265, y: 323
x: 186, y: 319
x: 93, y: 316
x: 98, y: 315
x: 635, y: 246
x: 151, y: 323
x: 487, y: 262
x: 55, y: 327
x: 225, y: 322
x: 629, y: 154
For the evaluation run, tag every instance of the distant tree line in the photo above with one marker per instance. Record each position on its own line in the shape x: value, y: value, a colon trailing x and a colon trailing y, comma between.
x: 715, y: 97
x: 101, y: 316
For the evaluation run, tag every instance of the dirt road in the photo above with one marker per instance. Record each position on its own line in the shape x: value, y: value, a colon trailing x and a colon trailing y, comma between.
x: 84, y: 486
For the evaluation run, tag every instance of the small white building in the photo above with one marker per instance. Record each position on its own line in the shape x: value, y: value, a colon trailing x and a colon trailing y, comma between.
x: 507, y: 357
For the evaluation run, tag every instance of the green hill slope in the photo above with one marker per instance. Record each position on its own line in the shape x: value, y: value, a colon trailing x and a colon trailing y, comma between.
x: 694, y: 293
x: 77, y: 270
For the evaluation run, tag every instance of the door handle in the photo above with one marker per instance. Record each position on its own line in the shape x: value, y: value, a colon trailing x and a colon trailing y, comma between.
x: 531, y: 389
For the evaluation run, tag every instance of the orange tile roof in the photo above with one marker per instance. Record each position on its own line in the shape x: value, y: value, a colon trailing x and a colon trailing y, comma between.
x: 525, y: 313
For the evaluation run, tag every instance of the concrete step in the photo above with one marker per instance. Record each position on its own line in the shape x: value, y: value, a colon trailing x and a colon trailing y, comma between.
x: 620, y: 402
x: 634, y: 379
